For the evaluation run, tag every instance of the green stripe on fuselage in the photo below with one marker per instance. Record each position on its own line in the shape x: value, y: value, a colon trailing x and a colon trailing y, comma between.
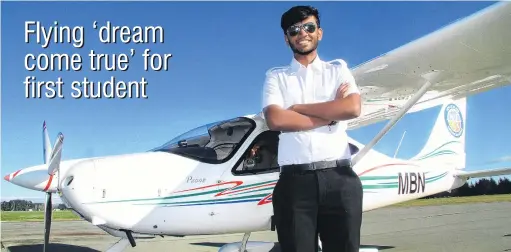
x: 269, y: 189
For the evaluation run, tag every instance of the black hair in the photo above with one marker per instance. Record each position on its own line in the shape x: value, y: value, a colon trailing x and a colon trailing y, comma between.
x: 297, y: 14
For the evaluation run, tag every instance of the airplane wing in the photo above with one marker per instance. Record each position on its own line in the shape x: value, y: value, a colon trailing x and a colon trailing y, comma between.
x: 469, y: 56
x: 484, y: 173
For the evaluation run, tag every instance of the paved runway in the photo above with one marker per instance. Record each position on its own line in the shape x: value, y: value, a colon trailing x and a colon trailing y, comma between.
x: 464, y: 227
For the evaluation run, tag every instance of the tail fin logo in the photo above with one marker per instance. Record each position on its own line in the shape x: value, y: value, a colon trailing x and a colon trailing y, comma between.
x: 453, y: 120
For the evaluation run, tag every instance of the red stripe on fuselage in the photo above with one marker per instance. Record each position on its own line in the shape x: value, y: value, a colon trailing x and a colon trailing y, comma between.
x: 385, y: 165
x: 230, y: 190
x: 265, y: 200
x: 209, y: 186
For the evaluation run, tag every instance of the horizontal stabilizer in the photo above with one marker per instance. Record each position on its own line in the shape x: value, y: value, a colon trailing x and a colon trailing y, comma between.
x: 485, y: 173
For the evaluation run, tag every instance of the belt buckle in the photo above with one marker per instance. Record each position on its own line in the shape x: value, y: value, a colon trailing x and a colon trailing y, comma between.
x: 313, y: 168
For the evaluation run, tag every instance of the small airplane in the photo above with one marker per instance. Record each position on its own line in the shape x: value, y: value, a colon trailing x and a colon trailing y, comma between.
x: 209, y: 181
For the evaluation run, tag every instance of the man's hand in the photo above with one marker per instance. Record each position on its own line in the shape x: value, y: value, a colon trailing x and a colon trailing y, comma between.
x: 342, y: 91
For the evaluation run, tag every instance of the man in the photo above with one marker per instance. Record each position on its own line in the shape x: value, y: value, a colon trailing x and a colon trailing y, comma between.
x: 308, y: 101
x: 263, y: 152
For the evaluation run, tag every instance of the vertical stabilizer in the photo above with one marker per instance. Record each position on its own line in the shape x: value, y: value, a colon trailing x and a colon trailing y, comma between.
x: 446, y: 142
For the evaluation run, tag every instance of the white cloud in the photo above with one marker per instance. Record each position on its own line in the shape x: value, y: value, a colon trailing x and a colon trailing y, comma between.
x: 501, y: 160
x: 504, y: 159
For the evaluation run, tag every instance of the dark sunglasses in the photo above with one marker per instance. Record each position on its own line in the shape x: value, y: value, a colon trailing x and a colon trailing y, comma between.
x: 295, y: 29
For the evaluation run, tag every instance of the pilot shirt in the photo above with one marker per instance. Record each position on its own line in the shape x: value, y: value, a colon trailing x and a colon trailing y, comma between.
x: 297, y: 84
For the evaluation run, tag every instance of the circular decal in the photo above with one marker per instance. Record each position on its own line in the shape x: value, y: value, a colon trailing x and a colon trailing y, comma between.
x: 454, y: 120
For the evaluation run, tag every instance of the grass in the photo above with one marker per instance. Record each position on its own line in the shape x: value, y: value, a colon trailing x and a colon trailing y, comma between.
x: 68, y: 215
x: 37, y: 216
x: 456, y: 200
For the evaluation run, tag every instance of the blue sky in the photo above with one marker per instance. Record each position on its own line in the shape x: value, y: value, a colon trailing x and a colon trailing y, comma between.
x: 220, y: 54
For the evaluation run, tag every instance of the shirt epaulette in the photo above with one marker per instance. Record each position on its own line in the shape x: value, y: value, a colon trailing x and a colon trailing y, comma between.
x: 277, y: 69
x: 338, y: 62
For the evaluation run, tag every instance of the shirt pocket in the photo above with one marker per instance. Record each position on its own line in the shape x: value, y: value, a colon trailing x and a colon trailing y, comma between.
x: 293, y: 94
x: 325, y: 92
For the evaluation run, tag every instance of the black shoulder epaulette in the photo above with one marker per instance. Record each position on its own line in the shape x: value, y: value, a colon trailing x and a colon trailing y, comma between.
x: 277, y: 69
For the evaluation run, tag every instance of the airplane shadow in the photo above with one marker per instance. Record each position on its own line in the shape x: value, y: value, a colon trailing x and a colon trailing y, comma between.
x: 53, y: 247
x: 277, y: 247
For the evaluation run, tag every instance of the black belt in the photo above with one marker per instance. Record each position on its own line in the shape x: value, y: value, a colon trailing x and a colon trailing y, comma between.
x: 320, y: 165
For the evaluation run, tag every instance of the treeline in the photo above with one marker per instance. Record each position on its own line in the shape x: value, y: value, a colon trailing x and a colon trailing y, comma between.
x: 480, y: 187
x: 25, y: 205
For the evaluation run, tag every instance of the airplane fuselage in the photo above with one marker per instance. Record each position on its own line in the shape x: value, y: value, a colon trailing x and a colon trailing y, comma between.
x: 186, y: 197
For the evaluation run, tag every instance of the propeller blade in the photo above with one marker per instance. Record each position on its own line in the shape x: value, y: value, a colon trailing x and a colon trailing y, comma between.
x: 52, y: 157
x: 46, y: 144
x: 47, y: 220
x: 56, y: 155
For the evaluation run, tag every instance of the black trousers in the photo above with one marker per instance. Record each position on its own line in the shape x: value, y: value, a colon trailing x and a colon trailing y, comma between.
x: 324, y: 202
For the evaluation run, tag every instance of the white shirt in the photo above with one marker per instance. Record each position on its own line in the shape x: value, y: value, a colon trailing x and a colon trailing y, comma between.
x: 297, y: 84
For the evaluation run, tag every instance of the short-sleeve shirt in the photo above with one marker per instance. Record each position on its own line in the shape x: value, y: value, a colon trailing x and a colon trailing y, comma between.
x: 297, y: 84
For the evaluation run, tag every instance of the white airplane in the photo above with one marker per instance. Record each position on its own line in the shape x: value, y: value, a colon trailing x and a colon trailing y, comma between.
x: 203, y: 182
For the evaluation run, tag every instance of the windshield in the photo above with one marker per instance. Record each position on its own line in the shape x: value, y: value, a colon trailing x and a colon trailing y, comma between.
x: 211, y: 143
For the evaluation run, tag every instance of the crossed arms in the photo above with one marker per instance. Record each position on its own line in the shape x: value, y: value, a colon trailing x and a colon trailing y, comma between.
x: 302, y: 117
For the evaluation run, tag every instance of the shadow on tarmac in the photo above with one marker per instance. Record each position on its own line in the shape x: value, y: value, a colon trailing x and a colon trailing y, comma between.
x: 277, y: 247
x: 53, y: 247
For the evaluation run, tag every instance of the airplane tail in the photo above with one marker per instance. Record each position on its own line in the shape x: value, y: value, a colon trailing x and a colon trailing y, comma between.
x: 446, y: 142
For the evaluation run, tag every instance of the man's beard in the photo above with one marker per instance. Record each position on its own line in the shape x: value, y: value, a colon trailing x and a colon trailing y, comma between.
x: 303, y: 53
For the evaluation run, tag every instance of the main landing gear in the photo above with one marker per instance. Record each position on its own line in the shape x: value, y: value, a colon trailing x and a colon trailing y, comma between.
x: 120, y: 245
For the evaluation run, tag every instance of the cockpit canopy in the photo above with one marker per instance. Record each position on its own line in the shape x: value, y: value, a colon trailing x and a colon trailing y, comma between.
x: 211, y: 143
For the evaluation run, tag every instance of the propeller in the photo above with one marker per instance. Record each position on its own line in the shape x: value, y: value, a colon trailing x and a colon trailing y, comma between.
x: 52, y: 157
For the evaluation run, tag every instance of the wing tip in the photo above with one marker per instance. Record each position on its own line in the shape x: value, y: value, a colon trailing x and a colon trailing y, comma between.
x: 485, y: 173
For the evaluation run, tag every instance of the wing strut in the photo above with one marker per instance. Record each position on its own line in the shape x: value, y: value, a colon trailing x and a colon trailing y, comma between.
x: 399, y: 145
x: 409, y: 104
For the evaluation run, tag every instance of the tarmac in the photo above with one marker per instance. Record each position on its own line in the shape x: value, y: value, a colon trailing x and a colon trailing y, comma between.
x: 483, y: 227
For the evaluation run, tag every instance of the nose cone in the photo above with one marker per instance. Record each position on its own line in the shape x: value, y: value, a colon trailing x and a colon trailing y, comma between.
x: 37, y: 177
x: 33, y: 178
x: 77, y: 186
x: 10, y: 176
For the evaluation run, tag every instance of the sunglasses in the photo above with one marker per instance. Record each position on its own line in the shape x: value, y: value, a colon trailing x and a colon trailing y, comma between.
x: 295, y: 29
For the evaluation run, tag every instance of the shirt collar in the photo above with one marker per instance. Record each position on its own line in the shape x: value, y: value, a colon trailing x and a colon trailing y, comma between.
x: 315, y: 65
